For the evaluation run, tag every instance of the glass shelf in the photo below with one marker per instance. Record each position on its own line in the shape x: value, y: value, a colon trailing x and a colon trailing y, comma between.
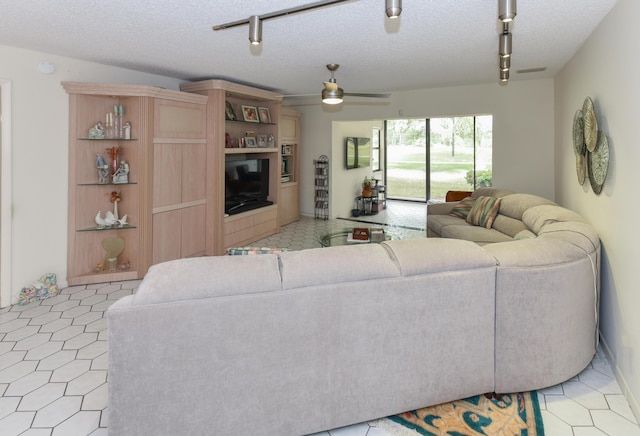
x: 97, y: 229
x: 250, y: 122
x: 106, y: 184
x: 109, y: 139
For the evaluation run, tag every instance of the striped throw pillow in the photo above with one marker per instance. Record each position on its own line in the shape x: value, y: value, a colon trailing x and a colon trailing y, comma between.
x: 484, y: 211
x: 461, y: 210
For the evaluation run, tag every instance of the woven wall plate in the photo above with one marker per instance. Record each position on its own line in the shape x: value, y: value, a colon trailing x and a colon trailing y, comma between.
x: 581, y: 168
x: 578, y: 133
x: 598, y: 163
x: 590, y: 124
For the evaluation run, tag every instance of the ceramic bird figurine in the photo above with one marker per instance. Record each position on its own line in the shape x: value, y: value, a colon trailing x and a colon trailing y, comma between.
x: 110, y: 218
x: 123, y: 221
x: 100, y: 221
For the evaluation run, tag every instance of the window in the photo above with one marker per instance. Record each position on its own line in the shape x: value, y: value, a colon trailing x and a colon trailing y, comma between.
x: 425, y: 158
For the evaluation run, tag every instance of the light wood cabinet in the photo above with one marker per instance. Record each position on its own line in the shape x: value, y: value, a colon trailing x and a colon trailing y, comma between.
x: 245, y: 227
x: 290, y: 167
x: 166, y: 145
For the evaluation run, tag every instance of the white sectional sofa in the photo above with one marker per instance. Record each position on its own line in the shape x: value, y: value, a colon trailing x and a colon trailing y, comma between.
x: 310, y: 340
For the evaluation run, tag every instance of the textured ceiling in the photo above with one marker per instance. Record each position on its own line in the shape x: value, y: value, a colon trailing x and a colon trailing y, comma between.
x: 433, y: 43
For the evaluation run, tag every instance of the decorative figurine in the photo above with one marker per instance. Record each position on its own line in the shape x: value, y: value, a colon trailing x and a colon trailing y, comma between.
x: 97, y: 131
x: 122, y: 173
x: 113, y: 153
x: 115, y: 199
x: 103, y: 169
x: 114, y: 248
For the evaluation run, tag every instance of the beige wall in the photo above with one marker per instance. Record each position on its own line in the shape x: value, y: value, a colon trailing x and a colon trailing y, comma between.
x: 607, y: 69
x: 523, y: 153
x: 39, y: 146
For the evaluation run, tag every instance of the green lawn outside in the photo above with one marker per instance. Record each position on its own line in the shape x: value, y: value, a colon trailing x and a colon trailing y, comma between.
x: 406, y: 171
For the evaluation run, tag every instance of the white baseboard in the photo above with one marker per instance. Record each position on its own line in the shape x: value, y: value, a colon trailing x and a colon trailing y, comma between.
x: 624, y: 386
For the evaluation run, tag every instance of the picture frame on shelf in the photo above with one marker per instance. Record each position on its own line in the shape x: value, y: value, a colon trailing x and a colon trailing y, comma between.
x: 250, y: 114
x: 229, y: 113
x: 250, y: 142
x: 262, y: 141
x: 286, y: 149
x: 265, y: 115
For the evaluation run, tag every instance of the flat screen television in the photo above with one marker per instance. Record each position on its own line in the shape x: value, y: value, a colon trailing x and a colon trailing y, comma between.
x: 246, y: 184
x: 358, y: 152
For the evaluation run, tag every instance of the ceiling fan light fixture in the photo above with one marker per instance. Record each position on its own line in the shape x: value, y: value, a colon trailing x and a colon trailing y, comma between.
x: 393, y: 8
x: 507, y: 10
x: 332, y: 96
x: 504, y: 76
x: 255, y: 30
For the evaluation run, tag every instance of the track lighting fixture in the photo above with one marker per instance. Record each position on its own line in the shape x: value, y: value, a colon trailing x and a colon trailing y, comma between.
x: 255, y: 30
x: 394, y: 8
x: 505, y: 44
x: 506, y: 10
x: 506, y: 14
x: 505, y: 63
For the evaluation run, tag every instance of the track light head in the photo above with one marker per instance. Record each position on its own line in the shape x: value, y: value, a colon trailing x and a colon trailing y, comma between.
x: 506, y: 10
x: 393, y: 8
x: 505, y: 45
x: 255, y: 30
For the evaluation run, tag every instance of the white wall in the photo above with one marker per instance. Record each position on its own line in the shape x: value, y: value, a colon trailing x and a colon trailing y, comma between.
x: 39, y: 142
x: 523, y: 120
x: 348, y: 183
x: 607, y: 69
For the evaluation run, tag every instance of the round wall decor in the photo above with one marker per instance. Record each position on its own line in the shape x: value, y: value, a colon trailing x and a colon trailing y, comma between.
x: 598, y: 163
x: 581, y: 168
x: 590, y: 124
x: 578, y: 133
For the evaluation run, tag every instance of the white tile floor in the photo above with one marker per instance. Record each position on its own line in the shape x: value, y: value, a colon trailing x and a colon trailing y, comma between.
x: 53, y: 364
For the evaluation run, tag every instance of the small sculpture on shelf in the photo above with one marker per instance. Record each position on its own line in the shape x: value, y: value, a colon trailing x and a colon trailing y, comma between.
x: 108, y: 220
x: 367, y: 184
x: 113, y: 154
x: 103, y: 169
x: 115, y: 199
x: 97, y: 131
x: 122, y: 173
x: 114, y: 248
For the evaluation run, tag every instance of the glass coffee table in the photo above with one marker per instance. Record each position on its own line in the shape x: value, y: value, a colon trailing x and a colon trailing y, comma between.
x: 341, y: 237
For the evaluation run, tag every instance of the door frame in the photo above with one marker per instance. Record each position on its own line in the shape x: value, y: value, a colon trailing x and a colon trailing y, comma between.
x: 5, y: 193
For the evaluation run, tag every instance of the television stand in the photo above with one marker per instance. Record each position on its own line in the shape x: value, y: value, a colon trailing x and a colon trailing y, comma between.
x: 247, y: 227
x: 245, y: 206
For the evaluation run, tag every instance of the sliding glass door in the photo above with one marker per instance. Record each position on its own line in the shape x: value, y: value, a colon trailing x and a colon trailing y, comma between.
x: 427, y: 158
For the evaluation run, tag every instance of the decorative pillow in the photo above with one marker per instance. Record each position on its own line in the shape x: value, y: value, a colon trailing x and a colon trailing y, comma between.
x: 484, y: 211
x: 461, y: 210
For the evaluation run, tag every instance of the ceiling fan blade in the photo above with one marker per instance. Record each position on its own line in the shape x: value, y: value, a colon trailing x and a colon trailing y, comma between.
x: 367, y: 95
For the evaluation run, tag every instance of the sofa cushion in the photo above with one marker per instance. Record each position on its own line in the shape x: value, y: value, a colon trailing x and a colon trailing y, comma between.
x: 507, y: 225
x: 340, y: 264
x: 484, y: 211
x: 462, y: 209
x: 524, y: 234
x: 479, y: 235
x: 199, y: 278
x: 491, y: 192
x: 537, y: 217
x: 514, y: 205
x: 438, y: 222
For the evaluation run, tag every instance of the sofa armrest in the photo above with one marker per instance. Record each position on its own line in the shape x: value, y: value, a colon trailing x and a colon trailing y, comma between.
x: 441, y: 208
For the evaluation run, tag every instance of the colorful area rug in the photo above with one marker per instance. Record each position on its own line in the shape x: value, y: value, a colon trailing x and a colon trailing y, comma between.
x: 510, y: 415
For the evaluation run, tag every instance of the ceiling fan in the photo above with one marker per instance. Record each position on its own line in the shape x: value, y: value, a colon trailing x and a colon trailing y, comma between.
x: 333, y: 94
